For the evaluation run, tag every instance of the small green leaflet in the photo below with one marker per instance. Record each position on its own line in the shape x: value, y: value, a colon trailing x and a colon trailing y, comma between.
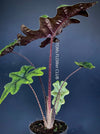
x: 62, y: 6
x: 61, y: 96
x: 24, y: 76
x: 85, y: 64
x: 44, y: 16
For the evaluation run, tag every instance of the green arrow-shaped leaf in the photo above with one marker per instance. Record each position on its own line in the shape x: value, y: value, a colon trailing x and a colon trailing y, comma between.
x: 24, y: 76
x: 85, y: 64
x: 61, y: 96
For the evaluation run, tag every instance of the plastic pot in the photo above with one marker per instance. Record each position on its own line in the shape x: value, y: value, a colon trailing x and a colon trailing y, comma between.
x: 37, y: 127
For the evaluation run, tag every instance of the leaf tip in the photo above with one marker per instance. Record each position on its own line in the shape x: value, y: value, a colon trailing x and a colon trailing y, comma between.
x: 0, y: 101
x: 93, y: 66
x: 62, y: 6
x: 44, y: 68
x: 44, y: 16
x: 76, y: 62
x: 96, y: 2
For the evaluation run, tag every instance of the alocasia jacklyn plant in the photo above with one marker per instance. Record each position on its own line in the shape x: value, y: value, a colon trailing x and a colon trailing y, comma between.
x: 49, y: 29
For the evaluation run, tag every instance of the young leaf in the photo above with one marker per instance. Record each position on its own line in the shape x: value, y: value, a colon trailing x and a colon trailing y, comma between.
x: 85, y: 64
x: 24, y: 76
x: 63, y: 93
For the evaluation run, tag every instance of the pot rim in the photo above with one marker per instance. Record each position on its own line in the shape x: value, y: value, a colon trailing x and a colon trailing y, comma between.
x: 57, y: 120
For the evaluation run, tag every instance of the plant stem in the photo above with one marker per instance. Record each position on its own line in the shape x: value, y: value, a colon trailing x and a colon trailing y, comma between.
x: 43, y: 90
x: 42, y: 85
x: 49, y: 80
x: 38, y: 104
x: 24, y: 57
x: 71, y: 75
x: 54, y: 109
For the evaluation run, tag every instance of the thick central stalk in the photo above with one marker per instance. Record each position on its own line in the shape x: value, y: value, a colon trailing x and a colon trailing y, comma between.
x: 49, y: 80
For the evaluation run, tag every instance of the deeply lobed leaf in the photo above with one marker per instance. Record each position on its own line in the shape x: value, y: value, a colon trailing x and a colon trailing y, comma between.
x: 50, y: 27
x: 24, y: 76
x: 60, y: 100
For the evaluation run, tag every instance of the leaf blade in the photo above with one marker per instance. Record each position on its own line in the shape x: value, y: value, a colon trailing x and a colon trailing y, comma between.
x: 24, y: 76
x: 64, y: 91
x: 87, y: 65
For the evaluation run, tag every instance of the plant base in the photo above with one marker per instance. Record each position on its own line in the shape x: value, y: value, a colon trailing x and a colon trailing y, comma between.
x: 37, y: 127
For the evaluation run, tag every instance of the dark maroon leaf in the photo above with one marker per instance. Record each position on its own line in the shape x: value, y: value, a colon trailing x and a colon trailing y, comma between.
x: 54, y: 26
x: 47, y: 41
x: 51, y: 27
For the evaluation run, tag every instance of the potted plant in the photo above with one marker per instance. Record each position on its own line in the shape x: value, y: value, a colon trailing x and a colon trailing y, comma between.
x: 49, y: 29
